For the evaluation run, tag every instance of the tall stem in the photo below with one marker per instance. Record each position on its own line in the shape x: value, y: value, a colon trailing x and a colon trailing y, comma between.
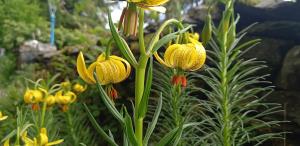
x: 140, y: 80
x: 139, y: 90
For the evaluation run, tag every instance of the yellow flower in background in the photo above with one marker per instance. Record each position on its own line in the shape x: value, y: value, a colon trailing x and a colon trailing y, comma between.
x: 151, y: 4
x: 67, y: 98
x: 113, y: 70
x: 33, y: 96
x: 64, y: 99
x: 79, y: 88
x: 188, y: 57
x: 6, y: 143
x: 66, y: 85
x: 50, y: 100
x: 43, y: 139
x: 2, y: 117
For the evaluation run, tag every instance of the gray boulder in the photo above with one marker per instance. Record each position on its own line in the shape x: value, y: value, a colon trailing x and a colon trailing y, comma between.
x: 33, y: 49
x: 290, y: 72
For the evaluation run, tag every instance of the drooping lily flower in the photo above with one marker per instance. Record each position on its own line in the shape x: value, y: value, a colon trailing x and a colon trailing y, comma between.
x: 110, y: 70
x: 2, y: 117
x: 184, y: 57
x: 33, y: 97
x: 79, y: 88
x: 187, y: 57
x: 64, y: 99
x: 50, y: 100
x: 42, y: 140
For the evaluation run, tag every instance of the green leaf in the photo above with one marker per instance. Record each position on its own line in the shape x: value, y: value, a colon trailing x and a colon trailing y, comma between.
x: 129, y: 129
x: 121, y: 43
x: 168, y: 138
x: 109, y: 139
x: 107, y: 101
x: 143, y: 106
x: 152, y: 125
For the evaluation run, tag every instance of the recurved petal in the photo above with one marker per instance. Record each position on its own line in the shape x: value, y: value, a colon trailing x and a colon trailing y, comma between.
x: 55, y: 142
x: 81, y: 69
x: 160, y: 60
x: 128, y: 67
x: 200, y: 58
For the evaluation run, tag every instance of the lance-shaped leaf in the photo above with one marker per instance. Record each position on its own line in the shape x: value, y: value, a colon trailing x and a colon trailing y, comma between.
x: 143, y: 106
x: 153, y: 123
x: 121, y: 43
x: 169, y: 137
x: 107, y: 101
x: 129, y: 129
x: 109, y: 139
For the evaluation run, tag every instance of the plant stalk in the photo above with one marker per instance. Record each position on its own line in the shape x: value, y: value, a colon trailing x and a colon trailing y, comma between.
x: 140, y: 80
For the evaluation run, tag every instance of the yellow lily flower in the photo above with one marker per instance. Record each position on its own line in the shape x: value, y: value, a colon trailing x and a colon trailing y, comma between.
x: 2, y: 117
x: 151, y: 4
x: 6, y: 143
x: 42, y: 139
x: 33, y: 96
x: 50, y: 100
x: 65, y: 99
x: 188, y: 57
x: 113, y: 70
x: 79, y: 88
x: 66, y: 85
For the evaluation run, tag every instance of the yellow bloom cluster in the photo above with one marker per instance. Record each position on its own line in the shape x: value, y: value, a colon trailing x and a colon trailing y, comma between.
x: 63, y: 97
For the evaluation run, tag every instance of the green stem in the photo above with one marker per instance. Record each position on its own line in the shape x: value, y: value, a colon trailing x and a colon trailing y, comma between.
x: 139, y: 90
x: 108, y: 48
x: 43, y: 114
x: 226, y: 111
x: 160, y: 30
x: 141, y: 32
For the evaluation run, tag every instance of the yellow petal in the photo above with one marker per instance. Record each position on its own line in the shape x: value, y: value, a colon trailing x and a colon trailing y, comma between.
x: 6, y: 143
x: 154, y: 2
x: 127, y: 65
x: 55, y: 142
x: 160, y: 60
x: 81, y: 69
x: 134, y: 1
x: 160, y: 9
x: 201, y: 57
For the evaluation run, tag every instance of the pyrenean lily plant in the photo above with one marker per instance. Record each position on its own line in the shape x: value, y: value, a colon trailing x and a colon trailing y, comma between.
x: 184, y: 54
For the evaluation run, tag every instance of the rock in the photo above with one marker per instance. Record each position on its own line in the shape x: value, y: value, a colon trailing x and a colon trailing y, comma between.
x: 31, y: 50
x: 290, y: 72
x: 284, y: 30
x: 270, y: 50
